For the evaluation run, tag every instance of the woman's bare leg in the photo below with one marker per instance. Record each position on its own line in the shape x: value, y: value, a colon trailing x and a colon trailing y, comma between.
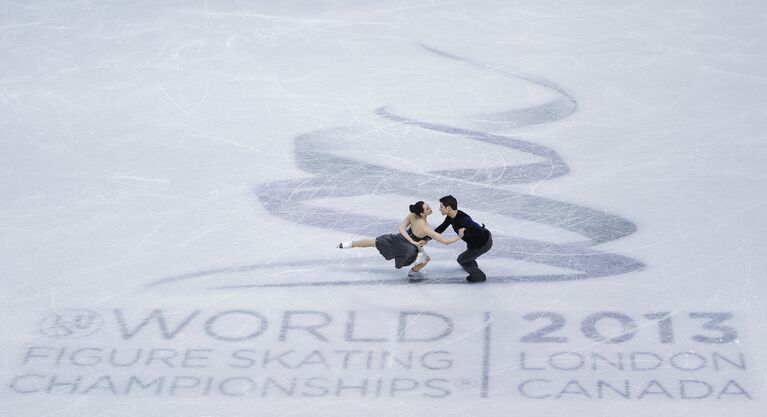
x: 364, y: 243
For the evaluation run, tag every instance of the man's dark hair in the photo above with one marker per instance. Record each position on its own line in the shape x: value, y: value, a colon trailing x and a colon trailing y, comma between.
x: 449, y: 201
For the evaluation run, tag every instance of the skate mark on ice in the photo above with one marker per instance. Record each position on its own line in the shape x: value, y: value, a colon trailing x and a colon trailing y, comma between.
x: 322, y: 154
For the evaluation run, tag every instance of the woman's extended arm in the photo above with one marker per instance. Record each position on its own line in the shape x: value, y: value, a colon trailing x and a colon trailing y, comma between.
x: 439, y: 238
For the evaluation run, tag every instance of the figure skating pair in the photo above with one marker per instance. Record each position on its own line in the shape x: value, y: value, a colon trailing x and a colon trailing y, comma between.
x: 407, y: 247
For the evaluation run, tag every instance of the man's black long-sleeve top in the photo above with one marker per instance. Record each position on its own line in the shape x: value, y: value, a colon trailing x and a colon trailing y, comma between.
x: 475, y: 235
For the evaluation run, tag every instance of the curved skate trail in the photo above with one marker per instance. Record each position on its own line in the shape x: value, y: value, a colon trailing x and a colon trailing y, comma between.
x: 321, y: 153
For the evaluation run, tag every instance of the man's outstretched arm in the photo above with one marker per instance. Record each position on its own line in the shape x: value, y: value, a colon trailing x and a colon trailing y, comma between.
x: 441, y: 228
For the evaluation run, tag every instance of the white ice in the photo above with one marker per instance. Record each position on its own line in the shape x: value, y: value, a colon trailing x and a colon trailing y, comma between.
x: 174, y: 177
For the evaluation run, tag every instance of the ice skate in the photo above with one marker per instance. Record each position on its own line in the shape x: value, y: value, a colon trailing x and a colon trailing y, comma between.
x: 416, y: 276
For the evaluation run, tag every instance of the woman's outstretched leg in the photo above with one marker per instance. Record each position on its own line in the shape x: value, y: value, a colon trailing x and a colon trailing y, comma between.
x: 364, y: 243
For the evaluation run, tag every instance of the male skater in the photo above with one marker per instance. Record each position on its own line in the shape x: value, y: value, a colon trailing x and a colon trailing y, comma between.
x: 478, y: 239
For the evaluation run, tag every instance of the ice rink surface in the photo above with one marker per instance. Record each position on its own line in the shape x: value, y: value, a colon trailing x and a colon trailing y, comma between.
x: 176, y: 175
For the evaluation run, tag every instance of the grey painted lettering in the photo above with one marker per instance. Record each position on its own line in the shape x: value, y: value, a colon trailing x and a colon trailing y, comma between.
x: 54, y: 382
x: 688, y: 390
x: 183, y: 383
x: 566, y: 361
x: 208, y: 386
x: 573, y: 387
x: 654, y: 388
x: 407, y: 364
x: 86, y: 357
x: 243, y: 359
x: 626, y: 393
x: 437, y: 360
x: 287, y: 324
x: 159, y: 383
x: 688, y: 361
x: 523, y: 363
x: 113, y: 360
x: 350, y: 325
x: 539, y: 336
x: 60, y: 356
x: 406, y: 324
x: 379, y: 387
x: 235, y: 387
x: 665, y: 328
x: 259, y: 326
x: 727, y: 334
x: 37, y: 352
x: 103, y: 383
x: 645, y: 361
x: 522, y: 388
x: 486, y: 349
x: 596, y: 357
x: 346, y: 356
x: 402, y: 385
x: 161, y: 355
x: 157, y: 316
x: 285, y: 390
x: 716, y: 357
x: 319, y: 385
x: 314, y: 358
x: 192, y: 355
x: 24, y: 384
x: 385, y: 361
x: 434, y: 384
x: 362, y: 388
x: 589, y: 327
x: 268, y: 359
x: 733, y: 388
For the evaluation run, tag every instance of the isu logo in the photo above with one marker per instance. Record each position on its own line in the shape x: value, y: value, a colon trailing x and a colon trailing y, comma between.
x: 71, y: 324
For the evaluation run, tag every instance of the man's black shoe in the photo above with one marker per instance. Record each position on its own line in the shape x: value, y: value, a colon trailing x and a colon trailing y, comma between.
x: 470, y: 279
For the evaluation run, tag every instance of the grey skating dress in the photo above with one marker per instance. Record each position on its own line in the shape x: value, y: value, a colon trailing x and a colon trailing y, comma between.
x: 396, y: 247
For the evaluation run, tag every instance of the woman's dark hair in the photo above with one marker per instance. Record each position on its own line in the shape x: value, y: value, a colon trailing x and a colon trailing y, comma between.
x: 417, y: 208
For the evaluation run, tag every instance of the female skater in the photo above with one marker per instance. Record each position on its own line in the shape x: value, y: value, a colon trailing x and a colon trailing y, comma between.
x: 407, y: 246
